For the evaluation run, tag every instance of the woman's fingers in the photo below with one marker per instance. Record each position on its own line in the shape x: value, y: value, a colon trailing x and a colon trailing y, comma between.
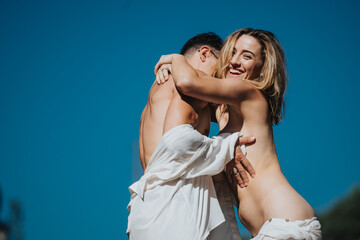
x: 162, y: 71
x: 164, y: 59
x: 165, y: 73
x: 158, y: 81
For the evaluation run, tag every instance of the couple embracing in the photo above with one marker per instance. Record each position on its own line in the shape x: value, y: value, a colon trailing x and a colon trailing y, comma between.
x: 190, y: 181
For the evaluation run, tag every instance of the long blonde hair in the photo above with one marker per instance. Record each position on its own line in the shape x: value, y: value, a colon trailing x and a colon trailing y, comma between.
x: 272, y: 80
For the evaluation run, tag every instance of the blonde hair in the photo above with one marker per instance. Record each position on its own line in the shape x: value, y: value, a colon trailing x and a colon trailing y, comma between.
x: 272, y: 80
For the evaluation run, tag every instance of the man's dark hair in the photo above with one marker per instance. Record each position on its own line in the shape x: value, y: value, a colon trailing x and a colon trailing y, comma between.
x: 210, y: 39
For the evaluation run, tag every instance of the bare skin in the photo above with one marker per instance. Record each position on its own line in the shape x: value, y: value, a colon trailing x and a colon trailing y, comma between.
x: 152, y: 119
x: 167, y: 108
x: 157, y: 109
x: 269, y: 195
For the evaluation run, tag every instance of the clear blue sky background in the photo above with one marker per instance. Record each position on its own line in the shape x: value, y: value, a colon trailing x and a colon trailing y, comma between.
x: 75, y: 75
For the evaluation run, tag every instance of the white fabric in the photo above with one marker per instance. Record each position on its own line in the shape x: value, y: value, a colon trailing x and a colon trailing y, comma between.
x: 175, y: 198
x: 228, y: 229
x: 277, y: 228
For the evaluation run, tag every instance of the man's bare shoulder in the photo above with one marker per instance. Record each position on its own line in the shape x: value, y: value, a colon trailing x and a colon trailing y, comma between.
x: 161, y: 92
x: 168, y: 86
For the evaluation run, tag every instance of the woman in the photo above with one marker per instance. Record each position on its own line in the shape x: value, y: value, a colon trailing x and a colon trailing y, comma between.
x: 250, y: 82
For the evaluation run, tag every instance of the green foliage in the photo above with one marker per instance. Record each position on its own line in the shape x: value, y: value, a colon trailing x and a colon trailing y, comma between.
x: 343, y: 220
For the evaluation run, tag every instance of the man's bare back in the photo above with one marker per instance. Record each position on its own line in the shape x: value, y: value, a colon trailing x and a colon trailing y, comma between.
x: 152, y: 119
x: 167, y: 108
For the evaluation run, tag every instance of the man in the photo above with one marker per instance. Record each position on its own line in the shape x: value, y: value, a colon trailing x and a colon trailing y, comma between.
x: 199, y: 52
x: 166, y: 110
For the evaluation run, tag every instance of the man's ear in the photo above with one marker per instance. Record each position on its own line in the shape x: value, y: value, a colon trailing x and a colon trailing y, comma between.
x: 204, y: 52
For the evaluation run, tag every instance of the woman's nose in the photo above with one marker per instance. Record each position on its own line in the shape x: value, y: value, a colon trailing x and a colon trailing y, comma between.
x: 235, y: 60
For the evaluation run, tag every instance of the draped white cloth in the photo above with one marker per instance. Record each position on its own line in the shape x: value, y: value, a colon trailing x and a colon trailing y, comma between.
x: 229, y: 229
x: 175, y: 198
x: 277, y: 228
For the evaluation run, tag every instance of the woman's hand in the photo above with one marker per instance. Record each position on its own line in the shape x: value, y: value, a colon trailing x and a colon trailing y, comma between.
x: 164, y: 59
x: 162, y: 74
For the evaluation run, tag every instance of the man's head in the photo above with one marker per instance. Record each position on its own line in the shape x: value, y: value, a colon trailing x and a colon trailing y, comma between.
x: 202, y: 51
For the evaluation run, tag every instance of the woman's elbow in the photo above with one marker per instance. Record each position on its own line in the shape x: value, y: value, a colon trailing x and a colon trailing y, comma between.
x: 185, y: 85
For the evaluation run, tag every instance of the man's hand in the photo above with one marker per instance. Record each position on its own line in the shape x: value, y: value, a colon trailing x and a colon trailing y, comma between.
x: 238, y: 167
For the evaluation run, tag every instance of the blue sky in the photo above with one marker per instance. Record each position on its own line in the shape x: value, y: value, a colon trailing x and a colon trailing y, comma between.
x: 75, y: 75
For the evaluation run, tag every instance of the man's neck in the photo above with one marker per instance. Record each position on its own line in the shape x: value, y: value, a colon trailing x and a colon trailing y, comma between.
x: 195, y: 62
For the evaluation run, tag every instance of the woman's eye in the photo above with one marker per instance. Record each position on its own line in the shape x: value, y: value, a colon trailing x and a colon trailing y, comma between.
x: 233, y: 53
x: 247, y: 56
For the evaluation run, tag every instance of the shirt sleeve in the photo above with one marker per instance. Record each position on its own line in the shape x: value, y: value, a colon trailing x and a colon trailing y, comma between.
x: 213, y: 156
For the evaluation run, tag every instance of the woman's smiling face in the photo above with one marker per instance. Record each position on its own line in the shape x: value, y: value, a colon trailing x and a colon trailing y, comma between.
x: 246, y: 61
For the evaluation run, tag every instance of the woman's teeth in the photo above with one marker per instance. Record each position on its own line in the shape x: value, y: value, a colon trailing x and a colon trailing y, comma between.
x: 233, y: 71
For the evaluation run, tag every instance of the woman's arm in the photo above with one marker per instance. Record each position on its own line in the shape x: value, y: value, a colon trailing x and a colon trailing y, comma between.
x: 227, y: 91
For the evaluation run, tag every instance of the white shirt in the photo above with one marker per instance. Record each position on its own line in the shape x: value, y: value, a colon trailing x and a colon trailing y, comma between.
x: 175, y: 198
